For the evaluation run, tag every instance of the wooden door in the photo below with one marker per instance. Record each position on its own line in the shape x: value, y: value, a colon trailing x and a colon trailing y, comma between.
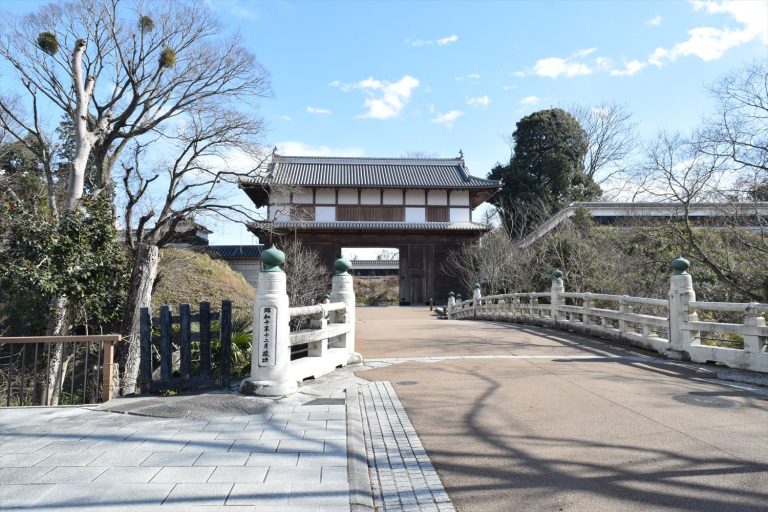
x: 416, y: 282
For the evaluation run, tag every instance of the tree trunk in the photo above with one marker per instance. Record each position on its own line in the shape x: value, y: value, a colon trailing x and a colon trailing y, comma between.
x: 57, y: 365
x: 145, y: 265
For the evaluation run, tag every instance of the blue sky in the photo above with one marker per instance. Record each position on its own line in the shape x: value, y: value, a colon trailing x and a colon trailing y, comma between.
x: 382, y: 78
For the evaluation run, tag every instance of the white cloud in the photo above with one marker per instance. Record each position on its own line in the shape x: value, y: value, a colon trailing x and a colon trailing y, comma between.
x: 471, y: 76
x: 385, y: 99
x: 585, y: 53
x: 286, y: 118
x: 236, y: 8
x: 710, y: 43
x: 429, y: 42
x: 553, y: 67
x: 479, y: 102
x: 320, y: 111
x: 574, y: 65
x: 234, y: 160
x: 630, y: 68
x: 296, y: 148
x: 448, y: 118
x: 448, y: 40
x: 603, y: 63
x: 530, y: 100
x: 655, y: 21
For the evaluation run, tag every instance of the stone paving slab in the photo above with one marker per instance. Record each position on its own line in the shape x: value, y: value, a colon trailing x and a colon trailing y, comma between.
x: 89, y: 459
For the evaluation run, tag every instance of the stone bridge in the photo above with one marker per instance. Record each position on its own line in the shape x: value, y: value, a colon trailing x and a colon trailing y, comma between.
x: 443, y: 415
x: 517, y: 417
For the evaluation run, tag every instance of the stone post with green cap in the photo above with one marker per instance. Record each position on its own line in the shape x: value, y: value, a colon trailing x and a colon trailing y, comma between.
x: 555, y: 294
x: 342, y: 290
x: 271, y: 351
x: 680, y: 294
x: 450, y: 304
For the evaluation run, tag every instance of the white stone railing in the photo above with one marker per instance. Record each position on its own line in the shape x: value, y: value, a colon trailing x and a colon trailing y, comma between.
x: 668, y: 326
x: 330, y: 336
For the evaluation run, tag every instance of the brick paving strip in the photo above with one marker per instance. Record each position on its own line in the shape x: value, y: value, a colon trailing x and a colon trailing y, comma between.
x: 402, y: 476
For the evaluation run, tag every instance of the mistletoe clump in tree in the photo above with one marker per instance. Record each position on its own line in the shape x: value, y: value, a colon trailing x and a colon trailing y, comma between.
x: 168, y: 72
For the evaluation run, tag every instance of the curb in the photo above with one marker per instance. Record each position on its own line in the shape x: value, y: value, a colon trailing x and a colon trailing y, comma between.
x: 360, y: 494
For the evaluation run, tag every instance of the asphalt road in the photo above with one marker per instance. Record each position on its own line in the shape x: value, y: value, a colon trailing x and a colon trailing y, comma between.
x: 565, y: 423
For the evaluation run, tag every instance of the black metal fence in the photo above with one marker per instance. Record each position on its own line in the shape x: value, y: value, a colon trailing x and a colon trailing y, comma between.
x: 50, y: 370
x: 187, y: 350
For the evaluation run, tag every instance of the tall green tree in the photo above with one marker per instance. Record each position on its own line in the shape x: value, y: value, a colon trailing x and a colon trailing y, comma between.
x: 546, y: 170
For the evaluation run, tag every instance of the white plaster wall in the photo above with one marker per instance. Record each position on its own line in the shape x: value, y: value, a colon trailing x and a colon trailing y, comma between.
x: 303, y: 196
x: 415, y: 215
x: 393, y: 196
x: 459, y: 197
x: 325, y: 196
x: 248, y: 268
x: 279, y: 197
x: 325, y: 213
x: 347, y: 196
x: 459, y: 215
x: 282, y: 212
x: 414, y: 196
x: 370, y: 196
x: 437, y: 197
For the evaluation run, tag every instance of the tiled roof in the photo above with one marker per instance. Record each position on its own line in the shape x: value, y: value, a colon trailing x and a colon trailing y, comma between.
x: 371, y: 172
x: 234, y: 252
x: 376, y: 225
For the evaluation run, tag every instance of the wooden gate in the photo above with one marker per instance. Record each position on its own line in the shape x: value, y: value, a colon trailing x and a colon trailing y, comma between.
x: 189, y: 340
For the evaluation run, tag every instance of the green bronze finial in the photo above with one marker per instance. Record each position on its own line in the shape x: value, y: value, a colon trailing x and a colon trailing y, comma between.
x: 451, y: 294
x: 458, y: 298
x: 272, y: 258
x: 477, y: 286
x: 557, y: 274
x: 342, y: 266
x: 680, y: 265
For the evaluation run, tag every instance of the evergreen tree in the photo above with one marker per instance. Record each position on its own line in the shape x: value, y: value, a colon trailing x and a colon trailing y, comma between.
x: 546, y: 170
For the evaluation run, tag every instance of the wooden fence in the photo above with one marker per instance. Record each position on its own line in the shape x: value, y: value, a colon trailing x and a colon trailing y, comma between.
x: 192, y: 336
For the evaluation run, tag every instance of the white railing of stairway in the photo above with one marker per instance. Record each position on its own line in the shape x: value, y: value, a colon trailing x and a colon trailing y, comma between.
x: 330, y: 335
x: 668, y: 326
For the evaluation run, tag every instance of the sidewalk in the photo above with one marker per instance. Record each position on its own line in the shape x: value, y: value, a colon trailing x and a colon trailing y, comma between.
x: 220, y: 451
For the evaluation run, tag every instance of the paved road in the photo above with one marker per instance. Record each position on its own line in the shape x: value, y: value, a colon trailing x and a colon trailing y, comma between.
x: 517, y: 418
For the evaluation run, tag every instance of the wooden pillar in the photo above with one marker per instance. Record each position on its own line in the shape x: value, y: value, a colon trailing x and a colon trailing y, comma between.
x: 431, y: 267
x: 107, y: 370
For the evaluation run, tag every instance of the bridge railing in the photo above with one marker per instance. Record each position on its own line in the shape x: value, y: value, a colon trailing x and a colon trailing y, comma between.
x: 281, y: 358
x: 669, y: 326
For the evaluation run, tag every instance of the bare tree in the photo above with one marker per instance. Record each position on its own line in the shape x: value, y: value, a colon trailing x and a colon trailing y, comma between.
x: 152, y: 61
x: 612, y: 139
x: 738, y: 130
x: 307, y: 279
x: 490, y: 262
x: 681, y: 174
x: 197, y: 180
x: 522, y: 217
x: 388, y: 254
x: 122, y: 71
